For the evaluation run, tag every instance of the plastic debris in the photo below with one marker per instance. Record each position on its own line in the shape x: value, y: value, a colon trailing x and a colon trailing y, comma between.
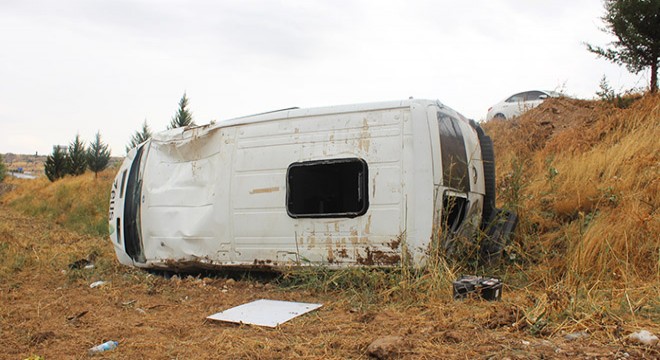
x: 106, y: 346
x: 644, y: 337
x: 487, y: 288
x: 263, y: 312
x: 96, y: 284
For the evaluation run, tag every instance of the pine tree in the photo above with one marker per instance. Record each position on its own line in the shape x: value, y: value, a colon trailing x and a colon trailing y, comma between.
x: 139, y: 136
x: 183, y: 116
x: 56, y: 164
x: 98, y: 155
x: 77, y: 157
x: 3, y: 168
x: 636, y: 25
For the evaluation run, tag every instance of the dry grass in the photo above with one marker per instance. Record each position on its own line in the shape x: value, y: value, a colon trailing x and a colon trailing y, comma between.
x: 582, y: 175
x: 586, y: 185
x: 79, y: 203
x: 49, y: 310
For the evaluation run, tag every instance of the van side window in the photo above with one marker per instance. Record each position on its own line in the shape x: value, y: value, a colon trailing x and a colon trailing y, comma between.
x: 454, y: 158
x: 327, y: 188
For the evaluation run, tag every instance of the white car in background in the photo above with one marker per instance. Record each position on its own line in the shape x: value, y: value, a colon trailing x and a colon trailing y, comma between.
x: 519, y: 103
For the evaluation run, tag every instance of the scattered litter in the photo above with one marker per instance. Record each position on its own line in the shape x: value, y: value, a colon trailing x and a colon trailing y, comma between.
x: 77, y: 316
x: 79, y: 264
x: 129, y: 303
x: 106, y: 346
x: 576, y: 335
x: 89, y: 266
x: 141, y: 311
x: 264, y: 312
x: 487, y: 288
x: 97, y: 284
x: 644, y: 337
x: 525, y: 342
x: 386, y: 347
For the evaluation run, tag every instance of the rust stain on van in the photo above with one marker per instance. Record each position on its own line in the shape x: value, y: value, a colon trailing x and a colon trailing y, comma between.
x: 331, y: 255
x: 378, y: 257
x: 365, y: 137
x: 311, y: 241
x: 396, y: 243
x: 353, y: 237
x: 265, y: 190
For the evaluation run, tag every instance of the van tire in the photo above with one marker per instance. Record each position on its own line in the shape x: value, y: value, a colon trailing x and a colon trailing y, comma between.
x: 488, y: 159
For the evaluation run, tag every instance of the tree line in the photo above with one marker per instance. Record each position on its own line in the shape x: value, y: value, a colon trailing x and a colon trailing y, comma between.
x: 76, y: 158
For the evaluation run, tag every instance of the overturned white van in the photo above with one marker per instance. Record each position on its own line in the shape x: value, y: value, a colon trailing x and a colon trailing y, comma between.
x: 370, y: 184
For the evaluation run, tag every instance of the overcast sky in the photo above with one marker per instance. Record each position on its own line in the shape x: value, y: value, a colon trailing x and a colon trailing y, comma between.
x: 70, y: 66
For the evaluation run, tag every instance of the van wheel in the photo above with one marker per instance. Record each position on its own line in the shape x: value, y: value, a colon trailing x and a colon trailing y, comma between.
x: 496, y: 225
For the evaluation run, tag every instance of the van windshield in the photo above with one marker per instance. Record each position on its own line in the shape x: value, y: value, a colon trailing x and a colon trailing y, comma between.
x: 132, y: 202
x: 454, y: 157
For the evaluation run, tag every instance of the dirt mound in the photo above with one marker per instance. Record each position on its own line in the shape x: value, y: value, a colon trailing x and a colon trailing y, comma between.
x: 584, y: 176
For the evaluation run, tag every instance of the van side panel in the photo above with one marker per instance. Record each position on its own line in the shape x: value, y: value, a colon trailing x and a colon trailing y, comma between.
x: 263, y: 233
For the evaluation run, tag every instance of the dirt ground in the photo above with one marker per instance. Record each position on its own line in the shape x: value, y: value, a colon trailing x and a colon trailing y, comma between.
x: 49, y: 310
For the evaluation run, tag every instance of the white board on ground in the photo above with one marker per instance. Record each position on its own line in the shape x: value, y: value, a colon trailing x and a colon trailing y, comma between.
x: 264, y: 312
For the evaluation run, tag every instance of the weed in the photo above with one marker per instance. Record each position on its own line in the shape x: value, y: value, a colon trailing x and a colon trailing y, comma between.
x: 513, y: 186
x: 620, y: 100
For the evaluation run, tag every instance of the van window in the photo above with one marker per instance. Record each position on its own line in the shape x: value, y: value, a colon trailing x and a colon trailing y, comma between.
x: 454, y: 158
x: 132, y: 203
x: 327, y: 188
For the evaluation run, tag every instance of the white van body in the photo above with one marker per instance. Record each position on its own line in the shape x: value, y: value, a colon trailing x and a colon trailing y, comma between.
x: 335, y: 186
